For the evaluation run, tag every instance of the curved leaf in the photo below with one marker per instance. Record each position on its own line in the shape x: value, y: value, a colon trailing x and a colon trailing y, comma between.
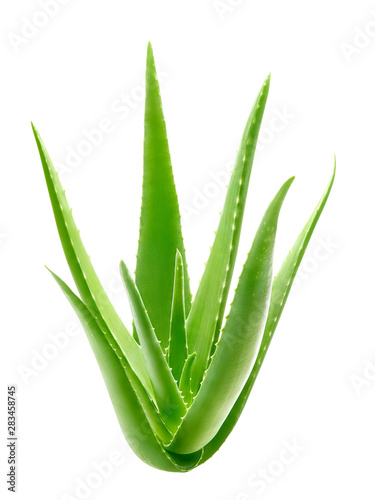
x: 160, y: 227
x: 168, y: 396
x: 185, y: 382
x: 128, y: 407
x: 177, y: 348
x: 280, y: 291
x: 84, y: 275
x: 205, y: 319
x: 238, y: 345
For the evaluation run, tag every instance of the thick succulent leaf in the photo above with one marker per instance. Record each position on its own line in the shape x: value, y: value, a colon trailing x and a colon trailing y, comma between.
x: 238, y: 345
x: 127, y: 402
x: 185, y: 382
x: 280, y: 290
x: 168, y: 397
x: 151, y: 411
x: 177, y: 349
x: 90, y: 325
x: 160, y: 228
x: 205, y: 319
x: 88, y: 284
x: 153, y: 452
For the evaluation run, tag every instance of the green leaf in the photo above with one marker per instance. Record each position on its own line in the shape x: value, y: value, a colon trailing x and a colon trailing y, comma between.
x: 185, y: 382
x: 205, y: 319
x: 177, y: 349
x: 180, y: 383
x: 168, y: 396
x: 151, y: 411
x: 160, y: 229
x: 280, y: 291
x: 84, y: 275
x: 120, y: 381
x: 91, y: 327
x: 238, y: 345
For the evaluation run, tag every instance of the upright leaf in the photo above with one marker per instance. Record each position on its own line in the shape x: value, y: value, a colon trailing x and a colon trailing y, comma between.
x: 88, y: 284
x: 280, y: 291
x: 185, y: 382
x: 168, y: 396
x: 177, y: 349
x: 206, y: 316
x: 238, y: 345
x: 128, y: 407
x: 160, y: 229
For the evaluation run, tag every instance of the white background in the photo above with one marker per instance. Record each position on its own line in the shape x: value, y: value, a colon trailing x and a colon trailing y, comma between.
x: 317, y: 385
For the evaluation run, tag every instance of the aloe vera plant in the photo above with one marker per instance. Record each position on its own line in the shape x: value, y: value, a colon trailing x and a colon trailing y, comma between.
x: 180, y: 380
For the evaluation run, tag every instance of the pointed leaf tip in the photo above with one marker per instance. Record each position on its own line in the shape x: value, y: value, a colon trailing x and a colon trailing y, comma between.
x: 179, y: 261
x: 205, y: 319
x: 280, y: 290
x: 177, y: 348
x: 35, y: 132
x: 83, y: 273
x: 164, y: 385
x: 150, y: 56
x: 160, y: 222
x: 237, y: 348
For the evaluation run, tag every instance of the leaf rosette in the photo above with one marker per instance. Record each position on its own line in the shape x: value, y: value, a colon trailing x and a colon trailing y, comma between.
x: 181, y: 378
